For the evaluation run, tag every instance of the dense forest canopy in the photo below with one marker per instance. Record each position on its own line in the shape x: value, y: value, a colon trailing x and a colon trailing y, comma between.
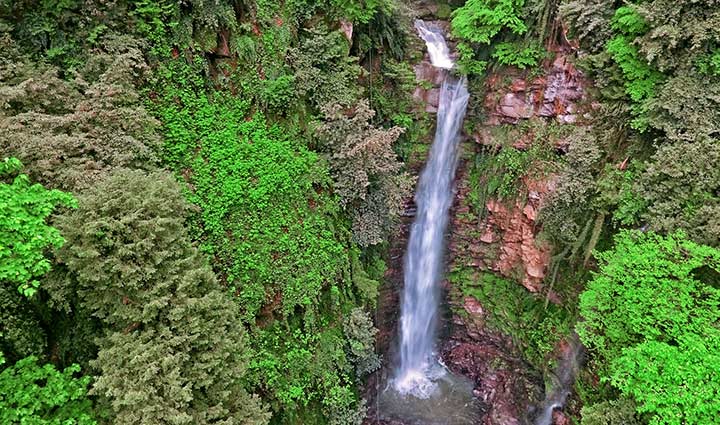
x: 198, y: 201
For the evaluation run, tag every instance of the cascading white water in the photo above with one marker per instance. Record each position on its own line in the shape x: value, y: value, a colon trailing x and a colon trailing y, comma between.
x: 419, y: 367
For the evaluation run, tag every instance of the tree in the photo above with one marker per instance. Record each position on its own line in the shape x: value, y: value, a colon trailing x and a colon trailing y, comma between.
x: 652, y: 313
x: 25, y: 237
x: 367, y: 173
x: 43, y: 395
x: 174, y: 350
x: 70, y: 134
x: 680, y: 187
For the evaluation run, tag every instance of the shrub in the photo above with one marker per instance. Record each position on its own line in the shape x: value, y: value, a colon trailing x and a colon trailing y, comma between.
x: 43, y: 395
x: 652, y: 314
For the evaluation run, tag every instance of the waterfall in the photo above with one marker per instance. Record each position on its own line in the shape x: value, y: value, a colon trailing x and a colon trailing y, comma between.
x: 424, y: 260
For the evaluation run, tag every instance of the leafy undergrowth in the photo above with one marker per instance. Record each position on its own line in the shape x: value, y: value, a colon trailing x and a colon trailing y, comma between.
x: 268, y: 219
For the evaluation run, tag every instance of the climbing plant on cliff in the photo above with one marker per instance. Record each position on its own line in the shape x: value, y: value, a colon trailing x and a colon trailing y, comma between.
x: 274, y: 231
x: 651, y: 314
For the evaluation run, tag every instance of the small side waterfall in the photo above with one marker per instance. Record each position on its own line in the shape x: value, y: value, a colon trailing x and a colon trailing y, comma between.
x: 419, y: 366
x: 562, y: 382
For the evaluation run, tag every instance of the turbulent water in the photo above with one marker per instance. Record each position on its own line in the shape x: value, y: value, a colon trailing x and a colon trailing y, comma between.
x: 419, y: 368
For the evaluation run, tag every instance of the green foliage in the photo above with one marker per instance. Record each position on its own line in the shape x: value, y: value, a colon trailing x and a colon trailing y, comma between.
x: 273, y: 230
x: 24, y: 234
x: 680, y: 188
x: 42, y: 395
x: 654, y: 318
x: 365, y: 169
x: 479, y: 21
x: 305, y: 372
x: 589, y: 21
x: 360, y: 336
x: 521, y: 56
x: 617, y: 193
x: 629, y: 22
x: 278, y: 94
x: 709, y: 64
x: 675, y: 384
x: 568, y: 208
x: 71, y: 134
x: 467, y: 62
x: 686, y: 109
x: 132, y: 265
x: 498, y: 172
x: 362, y: 10
x: 21, y: 334
x: 114, y: 260
x: 641, y: 78
x: 265, y: 214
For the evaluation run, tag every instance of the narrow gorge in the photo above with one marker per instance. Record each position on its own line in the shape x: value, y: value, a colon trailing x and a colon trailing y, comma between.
x: 359, y: 212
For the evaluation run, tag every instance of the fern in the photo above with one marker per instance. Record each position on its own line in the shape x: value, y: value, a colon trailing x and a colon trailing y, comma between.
x: 467, y: 62
x: 520, y: 55
x: 640, y: 77
x: 481, y: 20
x: 628, y: 21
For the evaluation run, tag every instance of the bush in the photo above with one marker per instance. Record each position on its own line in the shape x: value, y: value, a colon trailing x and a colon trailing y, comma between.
x: 42, y: 395
x: 652, y: 313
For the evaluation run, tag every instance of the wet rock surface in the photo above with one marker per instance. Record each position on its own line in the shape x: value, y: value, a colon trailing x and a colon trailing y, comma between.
x: 503, y: 382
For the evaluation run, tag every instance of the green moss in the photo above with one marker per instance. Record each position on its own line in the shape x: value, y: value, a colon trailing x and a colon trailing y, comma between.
x: 533, y: 326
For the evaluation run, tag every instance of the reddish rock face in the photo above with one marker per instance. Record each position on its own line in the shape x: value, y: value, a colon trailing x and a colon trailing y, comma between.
x: 554, y: 95
x: 559, y: 418
x: 347, y: 28
x: 519, y: 249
